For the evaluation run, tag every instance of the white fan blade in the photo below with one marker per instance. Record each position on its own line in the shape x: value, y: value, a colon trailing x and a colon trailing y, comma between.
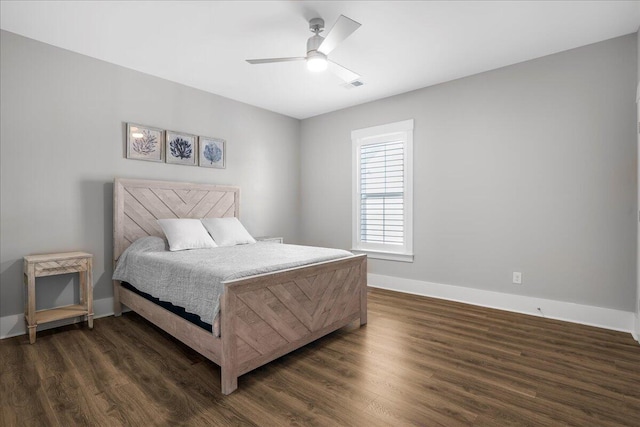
x: 266, y: 61
x: 342, y: 29
x: 344, y: 73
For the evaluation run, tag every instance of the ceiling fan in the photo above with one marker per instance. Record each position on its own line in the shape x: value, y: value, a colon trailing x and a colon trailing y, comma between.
x: 318, y: 48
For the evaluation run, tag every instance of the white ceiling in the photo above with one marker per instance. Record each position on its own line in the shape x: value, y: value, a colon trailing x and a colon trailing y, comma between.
x: 400, y: 47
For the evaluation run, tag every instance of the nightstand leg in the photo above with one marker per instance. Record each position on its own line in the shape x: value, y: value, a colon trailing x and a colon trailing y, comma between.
x: 88, y: 282
x: 32, y: 334
x: 83, y: 287
x: 31, y: 303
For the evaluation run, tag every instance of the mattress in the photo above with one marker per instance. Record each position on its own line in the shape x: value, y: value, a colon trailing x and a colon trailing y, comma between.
x: 193, y: 280
x: 179, y: 311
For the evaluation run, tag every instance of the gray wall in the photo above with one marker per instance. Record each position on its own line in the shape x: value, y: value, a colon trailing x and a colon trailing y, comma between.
x: 62, y: 135
x: 637, y: 324
x: 527, y: 168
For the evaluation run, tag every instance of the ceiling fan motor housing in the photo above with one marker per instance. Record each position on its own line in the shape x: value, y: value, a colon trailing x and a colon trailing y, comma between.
x: 314, y: 43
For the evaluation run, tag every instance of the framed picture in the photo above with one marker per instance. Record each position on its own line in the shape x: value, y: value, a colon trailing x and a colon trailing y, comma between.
x: 145, y: 143
x: 181, y: 148
x: 212, y: 152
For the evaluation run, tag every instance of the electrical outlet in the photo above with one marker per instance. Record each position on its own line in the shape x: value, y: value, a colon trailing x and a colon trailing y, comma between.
x: 517, y: 278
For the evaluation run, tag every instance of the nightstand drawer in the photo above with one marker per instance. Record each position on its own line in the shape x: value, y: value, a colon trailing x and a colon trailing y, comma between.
x: 50, y: 268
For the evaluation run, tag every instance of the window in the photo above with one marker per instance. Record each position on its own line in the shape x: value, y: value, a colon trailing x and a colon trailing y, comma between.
x: 382, y: 191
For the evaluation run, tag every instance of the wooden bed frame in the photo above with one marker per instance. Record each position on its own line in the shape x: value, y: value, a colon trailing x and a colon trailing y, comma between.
x: 261, y: 317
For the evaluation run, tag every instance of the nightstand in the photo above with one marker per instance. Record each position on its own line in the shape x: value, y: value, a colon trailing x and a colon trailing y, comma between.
x: 51, y: 265
x: 270, y: 239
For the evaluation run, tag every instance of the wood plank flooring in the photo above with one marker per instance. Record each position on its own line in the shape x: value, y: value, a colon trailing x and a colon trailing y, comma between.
x: 419, y: 361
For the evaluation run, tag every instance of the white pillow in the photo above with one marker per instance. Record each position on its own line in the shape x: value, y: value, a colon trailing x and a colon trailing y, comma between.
x: 227, y: 231
x: 186, y: 234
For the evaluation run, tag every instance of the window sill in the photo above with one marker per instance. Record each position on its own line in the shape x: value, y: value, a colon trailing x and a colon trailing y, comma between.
x: 389, y: 256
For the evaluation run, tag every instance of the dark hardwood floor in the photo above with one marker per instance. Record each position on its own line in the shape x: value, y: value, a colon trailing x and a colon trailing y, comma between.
x: 419, y: 361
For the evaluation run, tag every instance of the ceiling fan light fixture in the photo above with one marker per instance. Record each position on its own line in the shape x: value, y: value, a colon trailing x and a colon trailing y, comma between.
x: 316, y: 62
x: 319, y: 47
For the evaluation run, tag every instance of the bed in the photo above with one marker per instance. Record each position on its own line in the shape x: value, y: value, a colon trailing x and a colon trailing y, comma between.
x: 297, y: 305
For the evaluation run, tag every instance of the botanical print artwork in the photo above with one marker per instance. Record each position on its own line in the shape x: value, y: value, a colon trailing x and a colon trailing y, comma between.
x: 181, y: 148
x: 144, y: 143
x: 212, y: 152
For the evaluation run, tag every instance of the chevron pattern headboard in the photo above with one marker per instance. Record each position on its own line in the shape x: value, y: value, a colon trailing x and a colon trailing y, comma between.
x: 137, y: 204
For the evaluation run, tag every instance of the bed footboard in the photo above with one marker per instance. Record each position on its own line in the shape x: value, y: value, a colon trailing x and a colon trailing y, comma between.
x: 267, y: 316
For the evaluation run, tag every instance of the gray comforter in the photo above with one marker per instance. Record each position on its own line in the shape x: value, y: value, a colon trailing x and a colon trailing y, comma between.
x: 193, y: 279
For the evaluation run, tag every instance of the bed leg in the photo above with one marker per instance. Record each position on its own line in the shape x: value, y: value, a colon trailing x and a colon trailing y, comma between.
x: 228, y: 381
x: 363, y: 308
x: 363, y: 293
x: 117, y: 307
x: 228, y: 365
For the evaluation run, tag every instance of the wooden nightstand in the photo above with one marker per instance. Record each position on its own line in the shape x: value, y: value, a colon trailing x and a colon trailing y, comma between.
x: 270, y: 239
x: 50, y: 265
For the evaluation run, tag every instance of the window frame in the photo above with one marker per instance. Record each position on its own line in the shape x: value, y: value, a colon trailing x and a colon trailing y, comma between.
x: 398, y: 131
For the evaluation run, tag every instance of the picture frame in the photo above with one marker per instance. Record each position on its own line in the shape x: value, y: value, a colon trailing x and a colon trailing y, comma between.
x: 145, y: 143
x: 181, y: 148
x: 212, y: 152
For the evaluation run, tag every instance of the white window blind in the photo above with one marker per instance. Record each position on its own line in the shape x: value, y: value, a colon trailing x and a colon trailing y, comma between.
x: 382, y: 193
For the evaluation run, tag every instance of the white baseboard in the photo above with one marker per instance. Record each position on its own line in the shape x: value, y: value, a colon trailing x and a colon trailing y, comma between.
x: 11, y: 326
x: 607, y: 318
